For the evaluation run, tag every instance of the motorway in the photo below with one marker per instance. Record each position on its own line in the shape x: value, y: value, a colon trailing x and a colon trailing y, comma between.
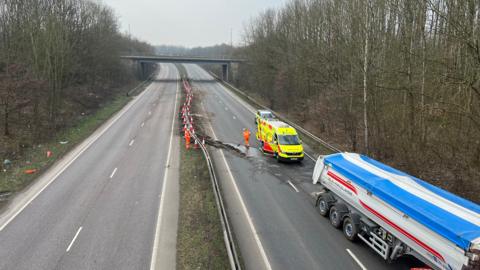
x: 101, y: 206
x: 269, y: 203
x: 112, y: 203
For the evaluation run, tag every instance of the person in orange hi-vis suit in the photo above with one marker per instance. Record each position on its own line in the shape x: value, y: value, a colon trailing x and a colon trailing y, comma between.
x: 187, y: 139
x: 246, y: 136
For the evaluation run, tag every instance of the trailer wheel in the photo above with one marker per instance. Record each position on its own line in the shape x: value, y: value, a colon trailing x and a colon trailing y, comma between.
x: 322, y: 206
x: 335, y: 217
x: 350, y: 229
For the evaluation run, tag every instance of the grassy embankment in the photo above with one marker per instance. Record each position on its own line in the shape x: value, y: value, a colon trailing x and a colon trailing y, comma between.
x: 14, y: 179
x: 200, y: 243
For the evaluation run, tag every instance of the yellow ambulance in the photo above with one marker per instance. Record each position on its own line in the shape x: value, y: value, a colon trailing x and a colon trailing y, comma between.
x: 279, y: 139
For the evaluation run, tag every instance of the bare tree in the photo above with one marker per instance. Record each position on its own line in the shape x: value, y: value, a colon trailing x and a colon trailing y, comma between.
x: 409, y: 68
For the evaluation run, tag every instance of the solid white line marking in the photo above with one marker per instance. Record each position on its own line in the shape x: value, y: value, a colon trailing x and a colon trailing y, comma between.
x: 356, y: 259
x: 93, y: 140
x: 74, y: 238
x: 131, y: 142
x: 292, y: 185
x: 238, y: 99
x: 244, y: 207
x: 153, y: 261
x: 113, y: 173
x: 310, y: 157
x: 143, y: 124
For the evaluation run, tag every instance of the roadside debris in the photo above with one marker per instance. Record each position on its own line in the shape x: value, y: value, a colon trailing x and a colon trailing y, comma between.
x: 4, y: 195
x: 30, y: 171
x: 7, y: 162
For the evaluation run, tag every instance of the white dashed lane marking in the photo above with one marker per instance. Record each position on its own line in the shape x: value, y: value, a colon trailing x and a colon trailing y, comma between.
x: 74, y: 238
x: 356, y: 259
x: 113, y: 173
x: 292, y: 185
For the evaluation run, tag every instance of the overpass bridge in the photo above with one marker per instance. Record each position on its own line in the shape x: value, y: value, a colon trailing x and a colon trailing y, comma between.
x: 144, y: 60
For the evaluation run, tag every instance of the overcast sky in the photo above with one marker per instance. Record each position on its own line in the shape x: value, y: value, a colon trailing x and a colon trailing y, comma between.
x: 188, y: 22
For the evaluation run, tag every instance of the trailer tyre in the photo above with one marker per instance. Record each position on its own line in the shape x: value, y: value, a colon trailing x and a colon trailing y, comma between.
x: 350, y: 229
x: 323, y: 207
x: 335, y: 217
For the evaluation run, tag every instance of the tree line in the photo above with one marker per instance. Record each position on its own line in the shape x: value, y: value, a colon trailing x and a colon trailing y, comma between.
x: 59, y: 60
x: 215, y: 51
x: 396, y: 79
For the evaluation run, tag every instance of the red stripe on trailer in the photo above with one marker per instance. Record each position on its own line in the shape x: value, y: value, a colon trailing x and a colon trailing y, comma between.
x: 407, y: 234
x: 343, y: 182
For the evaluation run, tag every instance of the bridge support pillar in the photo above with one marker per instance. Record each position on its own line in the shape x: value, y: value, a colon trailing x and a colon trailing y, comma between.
x: 225, y: 72
x: 143, y: 70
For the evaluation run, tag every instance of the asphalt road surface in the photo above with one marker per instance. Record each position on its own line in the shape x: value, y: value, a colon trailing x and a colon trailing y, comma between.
x: 98, y: 207
x: 269, y: 203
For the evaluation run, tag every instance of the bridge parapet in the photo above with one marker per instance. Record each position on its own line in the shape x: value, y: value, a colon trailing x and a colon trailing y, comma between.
x: 226, y: 63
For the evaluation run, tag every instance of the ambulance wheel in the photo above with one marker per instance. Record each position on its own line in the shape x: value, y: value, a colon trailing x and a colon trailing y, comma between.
x: 350, y: 229
x: 322, y: 206
x: 335, y: 217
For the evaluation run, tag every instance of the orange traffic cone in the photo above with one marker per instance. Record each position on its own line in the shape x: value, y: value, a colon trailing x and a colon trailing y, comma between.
x: 187, y: 139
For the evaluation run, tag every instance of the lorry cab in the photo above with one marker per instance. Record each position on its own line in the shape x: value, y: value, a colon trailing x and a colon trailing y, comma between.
x: 280, y: 139
x: 263, y: 114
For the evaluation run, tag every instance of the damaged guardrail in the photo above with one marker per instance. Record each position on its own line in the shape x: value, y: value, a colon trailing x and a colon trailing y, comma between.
x: 190, y: 128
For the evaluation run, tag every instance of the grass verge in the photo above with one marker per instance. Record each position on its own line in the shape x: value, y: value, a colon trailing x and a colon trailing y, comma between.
x: 200, y: 242
x: 13, y: 179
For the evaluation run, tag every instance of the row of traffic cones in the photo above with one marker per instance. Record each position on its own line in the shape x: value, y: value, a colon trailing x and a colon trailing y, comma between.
x: 187, y: 119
